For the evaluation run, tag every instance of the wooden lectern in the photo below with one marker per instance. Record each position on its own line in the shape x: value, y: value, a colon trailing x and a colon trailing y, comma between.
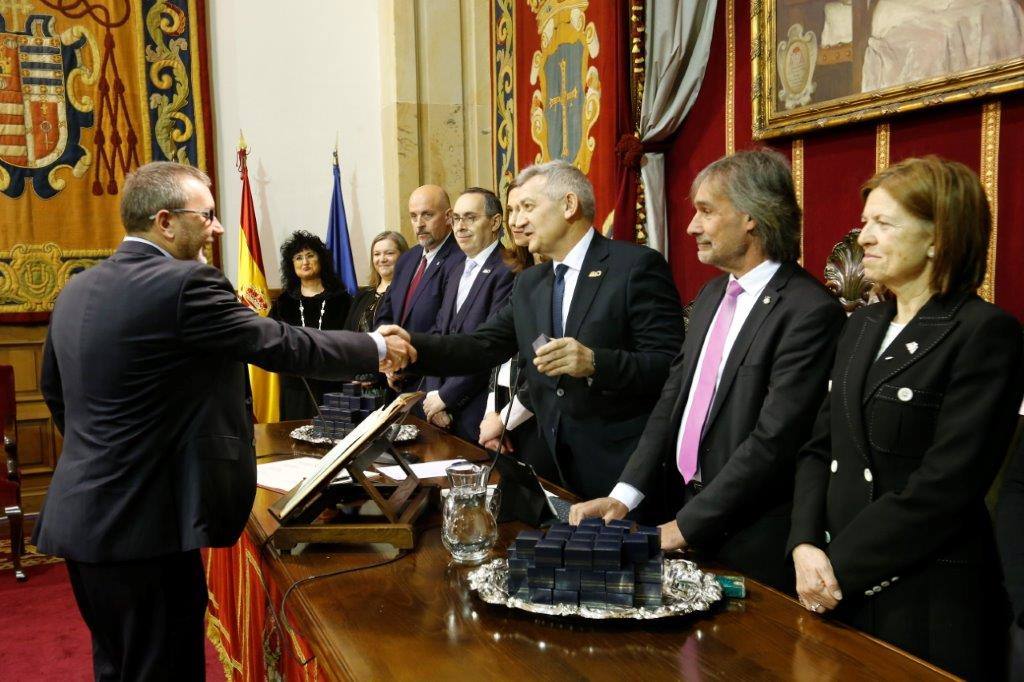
x: 299, y: 512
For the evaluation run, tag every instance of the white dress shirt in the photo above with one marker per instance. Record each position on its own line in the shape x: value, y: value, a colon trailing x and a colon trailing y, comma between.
x: 511, y: 415
x: 574, y: 261
x: 469, y: 273
x: 752, y: 283
x: 429, y: 255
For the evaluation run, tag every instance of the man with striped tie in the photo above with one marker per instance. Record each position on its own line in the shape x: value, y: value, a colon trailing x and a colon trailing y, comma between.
x: 720, y: 446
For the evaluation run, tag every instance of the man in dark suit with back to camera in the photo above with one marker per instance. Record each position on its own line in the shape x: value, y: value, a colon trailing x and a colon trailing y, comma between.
x: 720, y: 446
x: 596, y: 326
x: 422, y: 273
x: 144, y: 372
x: 476, y: 290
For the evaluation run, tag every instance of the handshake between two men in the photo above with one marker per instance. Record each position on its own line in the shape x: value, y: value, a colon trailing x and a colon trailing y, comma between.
x: 563, y: 356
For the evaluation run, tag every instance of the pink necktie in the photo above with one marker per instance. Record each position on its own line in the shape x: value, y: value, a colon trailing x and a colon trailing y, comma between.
x: 705, y: 392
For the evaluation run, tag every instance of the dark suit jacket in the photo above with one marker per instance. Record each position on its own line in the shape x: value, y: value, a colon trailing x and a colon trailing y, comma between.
x: 892, y: 484
x: 772, y: 384
x: 626, y: 309
x: 144, y: 373
x: 466, y: 396
x: 426, y: 300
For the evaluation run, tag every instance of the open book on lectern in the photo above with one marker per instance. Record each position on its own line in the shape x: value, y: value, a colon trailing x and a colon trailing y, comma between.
x: 345, y: 453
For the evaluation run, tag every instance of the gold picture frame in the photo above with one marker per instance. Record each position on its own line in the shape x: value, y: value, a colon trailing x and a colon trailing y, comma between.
x: 808, y: 74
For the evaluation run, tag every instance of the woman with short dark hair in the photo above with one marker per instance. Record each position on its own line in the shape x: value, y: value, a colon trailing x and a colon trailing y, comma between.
x: 312, y: 296
x: 890, y: 529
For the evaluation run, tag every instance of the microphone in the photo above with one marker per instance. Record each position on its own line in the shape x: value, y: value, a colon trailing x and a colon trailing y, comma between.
x: 520, y: 373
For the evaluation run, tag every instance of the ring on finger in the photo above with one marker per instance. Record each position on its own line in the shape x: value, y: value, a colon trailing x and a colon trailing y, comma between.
x: 815, y: 606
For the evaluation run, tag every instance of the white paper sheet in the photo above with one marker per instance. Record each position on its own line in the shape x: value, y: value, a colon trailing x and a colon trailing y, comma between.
x: 285, y: 474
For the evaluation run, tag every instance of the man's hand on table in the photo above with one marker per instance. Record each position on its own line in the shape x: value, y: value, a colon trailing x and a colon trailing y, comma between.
x: 607, y: 508
x: 671, y: 537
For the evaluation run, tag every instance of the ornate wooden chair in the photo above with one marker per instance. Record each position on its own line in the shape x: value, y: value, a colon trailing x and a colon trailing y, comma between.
x: 844, y: 274
x: 10, y: 477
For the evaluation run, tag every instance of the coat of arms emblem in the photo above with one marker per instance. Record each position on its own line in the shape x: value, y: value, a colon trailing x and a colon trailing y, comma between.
x: 41, y: 117
x: 568, y: 100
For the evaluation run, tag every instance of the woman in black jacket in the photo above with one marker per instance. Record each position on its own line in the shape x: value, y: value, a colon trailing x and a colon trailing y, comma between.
x: 890, y: 530
x: 312, y: 296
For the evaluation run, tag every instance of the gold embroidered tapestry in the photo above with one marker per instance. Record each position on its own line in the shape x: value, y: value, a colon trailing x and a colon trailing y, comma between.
x: 89, y: 90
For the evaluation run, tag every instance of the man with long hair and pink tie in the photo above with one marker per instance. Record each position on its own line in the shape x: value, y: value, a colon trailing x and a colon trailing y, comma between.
x: 719, y: 449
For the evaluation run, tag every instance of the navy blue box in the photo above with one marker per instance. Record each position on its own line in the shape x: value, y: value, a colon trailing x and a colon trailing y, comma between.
x: 561, y: 527
x: 584, y: 536
x: 510, y: 553
x: 619, y: 581
x: 569, y: 579
x: 620, y: 523
x: 653, y: 538
x: 592, y: 581
x: 597, y: 598
x: 526, y: 541
x: 514, y: 583
x: 351, y: 388
x: 540, y: 577
x: 368, y: 403
x: 635, y: 548
x: 562, y: 535
x: 650, y: 571
x: 332, y: 399
x: 592, y: 523
x: 318, y: 423
x: 647, y: 594
x: 622, y: 599
x: 522, y: 593
x: 607, y: 555
x: 518, y: 566
x: 548, y: 553
x: 578, y: 554
x: 571, y: 597
x: 540, y: 595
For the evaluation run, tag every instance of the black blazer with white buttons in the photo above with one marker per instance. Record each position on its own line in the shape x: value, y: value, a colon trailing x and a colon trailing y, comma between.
x: 893, y: 481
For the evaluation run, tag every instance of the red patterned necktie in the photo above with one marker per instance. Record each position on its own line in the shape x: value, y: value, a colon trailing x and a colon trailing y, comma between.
x: 707, y: 378
x: 412, y: 287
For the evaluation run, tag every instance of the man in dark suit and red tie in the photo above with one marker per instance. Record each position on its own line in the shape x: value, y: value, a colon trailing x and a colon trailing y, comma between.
x: 741, y: 397
x: 144, y: 372
x: 421, y: 274
x: 596, y: 328
x: 477, y: 289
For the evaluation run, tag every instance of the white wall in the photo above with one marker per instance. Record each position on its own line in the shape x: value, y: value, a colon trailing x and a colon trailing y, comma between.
x: 293, y: 77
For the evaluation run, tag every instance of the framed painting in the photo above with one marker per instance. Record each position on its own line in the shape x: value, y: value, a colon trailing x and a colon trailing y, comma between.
x: 820, y: 63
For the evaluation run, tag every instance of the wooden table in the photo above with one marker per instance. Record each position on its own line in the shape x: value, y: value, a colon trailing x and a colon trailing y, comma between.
x: 415, y: 618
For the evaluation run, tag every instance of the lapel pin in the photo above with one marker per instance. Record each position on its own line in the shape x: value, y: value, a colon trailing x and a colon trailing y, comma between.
x: 912, y: 347
x: 484, y: 272
x: 595, y: 273
x: 766, y: 300
x: 887, y: 357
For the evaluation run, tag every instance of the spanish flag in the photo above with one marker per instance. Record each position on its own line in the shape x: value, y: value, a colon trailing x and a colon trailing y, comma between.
x: 253, y: 291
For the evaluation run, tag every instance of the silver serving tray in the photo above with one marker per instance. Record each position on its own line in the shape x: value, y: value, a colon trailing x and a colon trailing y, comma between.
x: 685, y: 589
x: 406, y: 432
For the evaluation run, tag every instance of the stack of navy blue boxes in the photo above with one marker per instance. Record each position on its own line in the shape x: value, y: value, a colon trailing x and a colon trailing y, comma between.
x: 341, y: 412
x: 593, y: 564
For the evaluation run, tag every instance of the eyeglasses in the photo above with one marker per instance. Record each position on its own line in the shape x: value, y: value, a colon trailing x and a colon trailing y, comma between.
x: 468, y: 218
x: 208, y: 216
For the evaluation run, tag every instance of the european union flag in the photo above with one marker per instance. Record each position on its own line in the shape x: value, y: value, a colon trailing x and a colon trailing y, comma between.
x: 337, y: 236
